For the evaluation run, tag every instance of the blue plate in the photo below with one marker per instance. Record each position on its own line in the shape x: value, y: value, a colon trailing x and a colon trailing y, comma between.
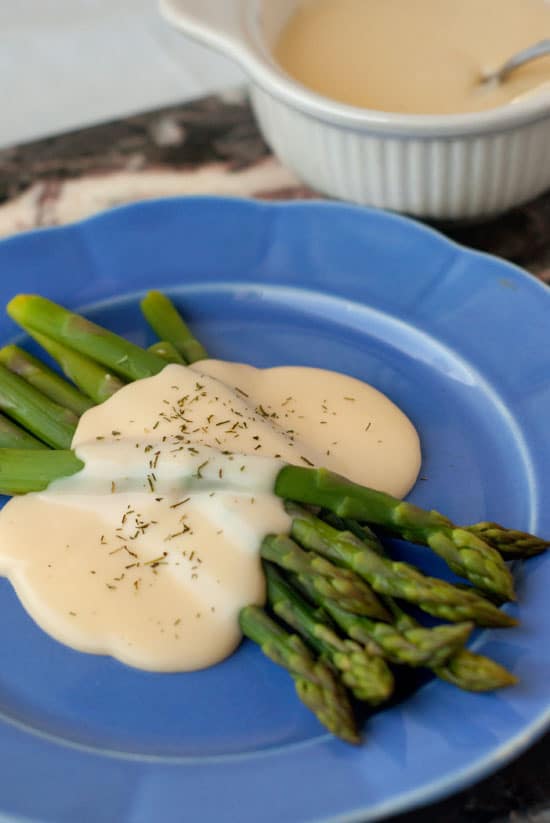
x: 460, y: 341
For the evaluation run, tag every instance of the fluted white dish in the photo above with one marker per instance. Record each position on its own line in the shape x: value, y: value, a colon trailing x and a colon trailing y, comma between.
x: 462, y: 166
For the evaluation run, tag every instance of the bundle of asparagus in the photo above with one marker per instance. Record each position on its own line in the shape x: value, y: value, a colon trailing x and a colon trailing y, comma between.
x: 336, y: 615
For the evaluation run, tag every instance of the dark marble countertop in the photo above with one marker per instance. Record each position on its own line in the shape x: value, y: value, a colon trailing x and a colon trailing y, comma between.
x: 212, y: 146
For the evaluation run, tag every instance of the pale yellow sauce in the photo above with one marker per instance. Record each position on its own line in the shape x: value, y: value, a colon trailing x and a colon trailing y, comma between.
x: 415, y: 56
x: 149, y: 553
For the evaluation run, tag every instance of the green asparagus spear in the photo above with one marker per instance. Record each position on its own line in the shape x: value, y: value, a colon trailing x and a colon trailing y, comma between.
x: 167, y: 351
x: 465, y: 553
x: 512, y: 544
x: 475, y: 672
x: 341, y: 585
x: 387, y: 577
x: 469, y: 671
x: 91, y: 378
x: 44, y: 379
x: 368, y: 676
x: 165, y: 320
x: 315, y: 682
x: 362, y: 531
x: 41, y: 315
x: 13, y: 437
x: 414, y: 646
x: 509, y: 542
x: 29, y: 470
x: 34, y: 411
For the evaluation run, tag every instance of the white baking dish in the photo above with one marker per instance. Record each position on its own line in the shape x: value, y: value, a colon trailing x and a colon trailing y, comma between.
x: 438, y: 166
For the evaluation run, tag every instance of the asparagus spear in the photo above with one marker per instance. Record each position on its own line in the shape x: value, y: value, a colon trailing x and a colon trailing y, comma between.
x: 315, y: 682
x: 413, y: 646
x: 91, y: 378
x: 50, y: 422
x: 475, y: 672
x: 368, y: 676
x: 465, y: 669
x: 509, y: 542
x: 341, y: 585
x: 38, y: 314
x: 11, y: 436
x: 512, y: 544
x: 387, y: 577
x: 465, y: 553
x: 167, y: 351
x: 165, y: 320
x: 44, y: 379
x: 29, y: 470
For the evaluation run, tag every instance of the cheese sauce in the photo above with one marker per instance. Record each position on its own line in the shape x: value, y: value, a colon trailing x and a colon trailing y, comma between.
x: 149, y: 553
x: 415, y: 56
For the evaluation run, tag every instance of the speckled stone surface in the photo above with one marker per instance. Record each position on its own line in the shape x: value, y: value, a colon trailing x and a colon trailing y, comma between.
x: 212, y: 146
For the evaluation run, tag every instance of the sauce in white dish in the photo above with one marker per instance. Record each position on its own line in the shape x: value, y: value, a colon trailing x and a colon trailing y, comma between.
x: 415, y: 56
x: 149, y: 553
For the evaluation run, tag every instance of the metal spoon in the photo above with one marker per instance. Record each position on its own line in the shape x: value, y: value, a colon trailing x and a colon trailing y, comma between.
x: 539, y: 49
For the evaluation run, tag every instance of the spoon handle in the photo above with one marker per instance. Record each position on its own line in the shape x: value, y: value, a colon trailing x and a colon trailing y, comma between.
x: 539, y: 49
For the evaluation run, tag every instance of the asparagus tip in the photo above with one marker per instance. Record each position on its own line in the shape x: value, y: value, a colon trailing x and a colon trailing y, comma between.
x: 16, y: 304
